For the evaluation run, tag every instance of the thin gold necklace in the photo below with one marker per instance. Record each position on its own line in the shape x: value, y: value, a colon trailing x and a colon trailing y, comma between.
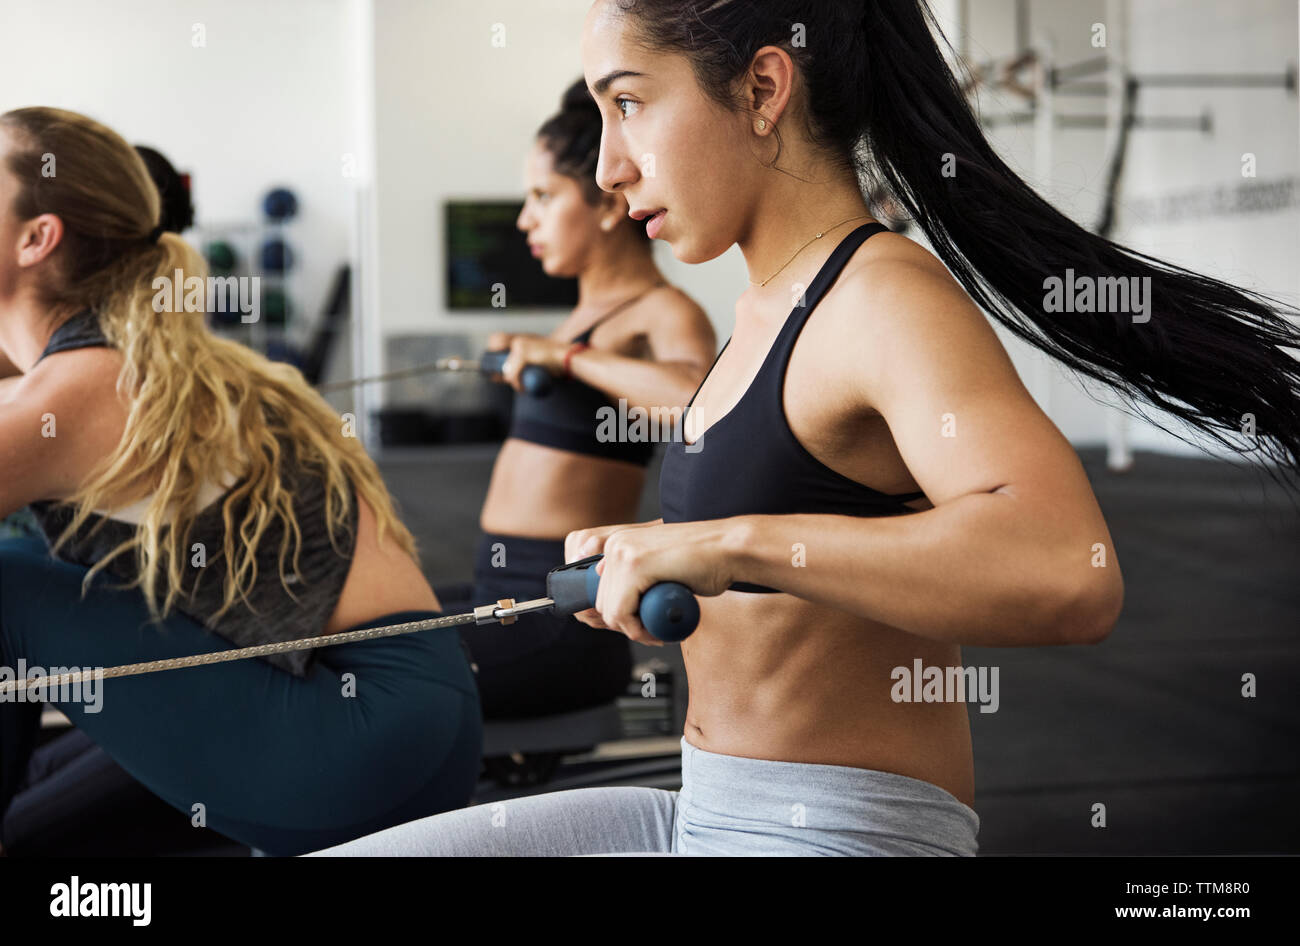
x: 804, y: 247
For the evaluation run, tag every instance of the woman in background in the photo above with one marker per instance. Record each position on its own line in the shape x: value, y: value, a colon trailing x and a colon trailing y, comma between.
x: 632, y: 339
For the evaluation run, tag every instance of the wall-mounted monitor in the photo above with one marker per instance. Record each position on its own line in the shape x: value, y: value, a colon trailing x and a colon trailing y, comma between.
x: 486, y: 249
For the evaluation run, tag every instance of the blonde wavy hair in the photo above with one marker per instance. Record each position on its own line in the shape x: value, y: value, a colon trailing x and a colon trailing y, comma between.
x: 196, y: 400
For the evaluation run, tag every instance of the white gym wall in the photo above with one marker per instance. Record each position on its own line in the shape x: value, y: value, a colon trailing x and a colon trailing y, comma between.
x: 264, y: 102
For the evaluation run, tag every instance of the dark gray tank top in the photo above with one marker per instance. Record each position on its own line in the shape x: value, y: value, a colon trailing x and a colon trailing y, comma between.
x: 271, y: 614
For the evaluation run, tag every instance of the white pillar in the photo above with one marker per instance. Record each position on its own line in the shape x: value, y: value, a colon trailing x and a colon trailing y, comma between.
x: 1044, y: 132
x: 367, y: 327
x: 1119, y: 456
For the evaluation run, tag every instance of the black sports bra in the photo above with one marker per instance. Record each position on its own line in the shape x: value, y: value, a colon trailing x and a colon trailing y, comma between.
x: 578, y: 418
x: 749, y: 461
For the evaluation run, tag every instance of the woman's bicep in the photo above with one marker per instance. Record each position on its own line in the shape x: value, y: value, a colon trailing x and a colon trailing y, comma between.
x: 978, y: 445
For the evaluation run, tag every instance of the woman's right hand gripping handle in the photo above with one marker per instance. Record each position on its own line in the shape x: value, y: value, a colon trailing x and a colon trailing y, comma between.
x: 583, y: 543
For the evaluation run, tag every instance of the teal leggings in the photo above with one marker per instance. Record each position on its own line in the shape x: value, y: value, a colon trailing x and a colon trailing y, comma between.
x: 379, y: 733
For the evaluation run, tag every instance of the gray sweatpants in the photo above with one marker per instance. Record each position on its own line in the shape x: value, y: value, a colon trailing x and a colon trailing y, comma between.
x: 727, y: 806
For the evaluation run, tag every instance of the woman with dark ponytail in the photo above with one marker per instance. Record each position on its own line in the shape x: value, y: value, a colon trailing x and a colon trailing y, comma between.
x: 864, y: 484
x: 633, y: 338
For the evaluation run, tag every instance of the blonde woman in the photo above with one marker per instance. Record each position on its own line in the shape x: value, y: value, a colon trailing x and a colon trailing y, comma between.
x: 198, y: 497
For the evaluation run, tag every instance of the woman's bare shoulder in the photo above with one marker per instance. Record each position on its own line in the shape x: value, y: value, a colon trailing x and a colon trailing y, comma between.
x: 78, y: 371
x: 58, y: 422
x: 76, y: 391
x: 893, y: 284
x: 897, y: 314
x: 888, y: 257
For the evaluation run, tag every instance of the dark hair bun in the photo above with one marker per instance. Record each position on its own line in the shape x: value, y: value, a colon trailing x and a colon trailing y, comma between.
x: 578, y: 98
x: 173, y: 191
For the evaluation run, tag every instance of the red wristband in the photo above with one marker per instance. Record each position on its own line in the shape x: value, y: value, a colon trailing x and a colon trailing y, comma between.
x: 568, y: 356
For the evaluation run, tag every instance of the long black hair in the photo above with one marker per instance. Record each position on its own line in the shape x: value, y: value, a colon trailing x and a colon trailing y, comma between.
x: 882, y: 100
x: 572, y: 135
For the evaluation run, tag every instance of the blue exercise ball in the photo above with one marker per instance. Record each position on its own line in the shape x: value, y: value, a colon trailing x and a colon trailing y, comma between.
x: 280, y: 204
x: 276, y: 256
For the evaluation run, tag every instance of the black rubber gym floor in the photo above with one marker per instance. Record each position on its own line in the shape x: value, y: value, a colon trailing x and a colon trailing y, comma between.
x: 1151, y: 724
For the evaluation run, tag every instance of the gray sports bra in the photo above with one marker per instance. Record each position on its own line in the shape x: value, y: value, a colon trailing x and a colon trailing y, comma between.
x: 270, y: 613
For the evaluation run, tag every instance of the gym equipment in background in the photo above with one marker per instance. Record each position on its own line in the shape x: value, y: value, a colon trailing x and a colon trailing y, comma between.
x: 325, y: 337
x: 275, y: 307
x: 276, y: 259
x: 280, y: 204
x: 276, y: 256
x: 312, y: 358
x: 536, y: 380
x: 239, y: 251
x: 222, y: 258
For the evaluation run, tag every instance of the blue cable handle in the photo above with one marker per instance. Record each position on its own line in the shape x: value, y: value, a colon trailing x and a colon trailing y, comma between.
x: 668, y: 610
x: 536, y: 380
